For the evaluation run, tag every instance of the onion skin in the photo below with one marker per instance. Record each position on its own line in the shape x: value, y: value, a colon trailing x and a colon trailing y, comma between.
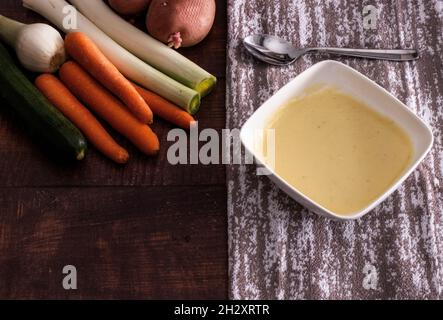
x: 129, y: 7
x: 180, y: 23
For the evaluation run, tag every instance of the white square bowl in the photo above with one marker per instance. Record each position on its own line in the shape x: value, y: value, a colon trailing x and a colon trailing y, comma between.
x: 350, y: 81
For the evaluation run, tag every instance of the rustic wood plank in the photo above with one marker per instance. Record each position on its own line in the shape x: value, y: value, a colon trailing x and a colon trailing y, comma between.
x: 162, y: 242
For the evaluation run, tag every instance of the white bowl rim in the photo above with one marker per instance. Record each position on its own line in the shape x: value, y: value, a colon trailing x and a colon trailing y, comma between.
x: 385, y: 194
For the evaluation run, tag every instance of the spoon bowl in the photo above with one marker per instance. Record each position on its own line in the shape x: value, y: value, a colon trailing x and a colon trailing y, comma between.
x: 266, y: 58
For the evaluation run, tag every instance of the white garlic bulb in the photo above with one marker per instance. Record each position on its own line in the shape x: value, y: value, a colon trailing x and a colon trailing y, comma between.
x: 40, y: 48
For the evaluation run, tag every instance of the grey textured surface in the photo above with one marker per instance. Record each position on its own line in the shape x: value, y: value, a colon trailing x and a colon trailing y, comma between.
x: 279, y: 250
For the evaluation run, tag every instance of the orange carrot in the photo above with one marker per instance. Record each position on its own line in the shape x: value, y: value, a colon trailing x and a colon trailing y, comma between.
x: 89, y: 56
x: 108, y: 107
x: 165, y: 109
x: 63, y: 100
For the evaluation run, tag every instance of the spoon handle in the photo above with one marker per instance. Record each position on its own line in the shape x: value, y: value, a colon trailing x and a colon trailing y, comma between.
x: 395, y: 55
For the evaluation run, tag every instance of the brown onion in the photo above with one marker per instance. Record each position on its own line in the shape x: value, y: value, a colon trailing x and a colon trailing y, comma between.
x: 180, y: 23
x: 129, y: 6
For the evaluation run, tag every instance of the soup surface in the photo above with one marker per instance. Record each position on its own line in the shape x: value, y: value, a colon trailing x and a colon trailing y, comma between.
x: 337, y: 151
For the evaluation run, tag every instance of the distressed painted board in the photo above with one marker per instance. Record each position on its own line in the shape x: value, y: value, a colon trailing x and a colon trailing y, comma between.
x: 279, y: 250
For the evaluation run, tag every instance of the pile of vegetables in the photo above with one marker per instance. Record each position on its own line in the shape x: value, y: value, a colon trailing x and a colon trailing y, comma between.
x: 117, y: 73
x: 129, y: 6
x: 127, y: 63
x: 178, y: 23
x: 39, y: 116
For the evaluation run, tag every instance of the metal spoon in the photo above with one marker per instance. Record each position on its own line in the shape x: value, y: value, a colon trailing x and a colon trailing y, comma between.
x: 277, y: 51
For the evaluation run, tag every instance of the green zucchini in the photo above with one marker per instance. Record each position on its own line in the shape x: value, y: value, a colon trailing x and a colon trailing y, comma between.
x: 42, y: 119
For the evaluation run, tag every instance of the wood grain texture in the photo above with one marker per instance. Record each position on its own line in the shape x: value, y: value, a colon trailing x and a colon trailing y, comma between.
x: 126, y: 243
x: 277, y: 249
x: 148, y: 230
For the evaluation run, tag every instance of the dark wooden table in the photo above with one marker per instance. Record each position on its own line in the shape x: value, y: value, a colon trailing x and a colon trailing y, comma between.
x: 147, y: 230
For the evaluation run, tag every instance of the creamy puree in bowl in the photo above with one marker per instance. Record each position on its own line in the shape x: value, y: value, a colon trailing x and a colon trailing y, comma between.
x: 337, y: 151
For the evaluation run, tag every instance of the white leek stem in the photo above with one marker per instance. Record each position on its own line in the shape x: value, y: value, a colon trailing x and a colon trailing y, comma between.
x: 57, y: 11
